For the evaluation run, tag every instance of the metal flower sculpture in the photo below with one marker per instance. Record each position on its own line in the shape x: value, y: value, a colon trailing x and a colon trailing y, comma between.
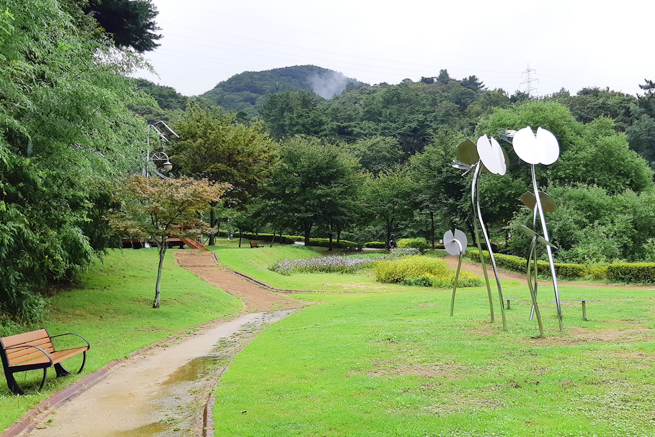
x: 455, y: 244
x: 541, y: 148
x: 548, y: 205
x: 486, y: 155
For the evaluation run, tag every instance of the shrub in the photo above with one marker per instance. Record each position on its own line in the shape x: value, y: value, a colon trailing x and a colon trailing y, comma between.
x: 598, y: 271
x: 416, y: 243
x: 375, y: 244
x: 396, y: 270
x: 631, y: 272
x: 466, y: 279
x: 325, y: 242
x: 399, y: 253
x: 519, y: 264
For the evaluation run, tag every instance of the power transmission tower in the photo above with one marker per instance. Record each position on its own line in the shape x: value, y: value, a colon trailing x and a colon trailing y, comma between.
x: 529, y: 89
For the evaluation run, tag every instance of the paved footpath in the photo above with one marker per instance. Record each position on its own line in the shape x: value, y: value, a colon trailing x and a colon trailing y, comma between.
x: 135, y: 399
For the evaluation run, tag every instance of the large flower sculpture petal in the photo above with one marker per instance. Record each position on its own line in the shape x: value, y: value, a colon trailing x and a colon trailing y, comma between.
x: 466, y: 153
x: 542, y: 148
x: 491, y: 155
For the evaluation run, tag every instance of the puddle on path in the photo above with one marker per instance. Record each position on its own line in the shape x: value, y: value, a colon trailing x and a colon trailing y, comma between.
x: 178, y: 408
x: 147, y: 430
x: 194, y: 369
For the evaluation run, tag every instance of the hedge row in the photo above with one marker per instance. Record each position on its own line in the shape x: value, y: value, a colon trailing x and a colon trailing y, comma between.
x: 290, y: 239
x: 631, y: 272
x: 519, y: 264
x: 284, y: 239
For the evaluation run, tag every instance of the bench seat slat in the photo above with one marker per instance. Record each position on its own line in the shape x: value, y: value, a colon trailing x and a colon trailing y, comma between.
x: 57, y: 357
x: 25, y: 338
x: 29, y: 354
x: 44, y: 343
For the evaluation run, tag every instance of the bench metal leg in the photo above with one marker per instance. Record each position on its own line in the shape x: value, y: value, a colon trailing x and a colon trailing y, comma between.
x: 61, y: 370
x: 15, y: 388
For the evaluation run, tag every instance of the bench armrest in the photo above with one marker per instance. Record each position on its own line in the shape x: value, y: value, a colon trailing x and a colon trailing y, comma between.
x: 71, y: 333
x: 25, y: 346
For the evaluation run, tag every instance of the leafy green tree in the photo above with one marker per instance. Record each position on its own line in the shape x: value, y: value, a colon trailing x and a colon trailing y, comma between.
x: 389, y: 200
x: 641, y: 137
x: 215, y: 146
x: 158, y: 209
x: 602, y: 157
x: 377, y: 154
x: 292, y: 113
x: 312, y: 181
x: 592, y: 103
x: 130, y: 23
x: 64, y: 123
x: 592, y: 226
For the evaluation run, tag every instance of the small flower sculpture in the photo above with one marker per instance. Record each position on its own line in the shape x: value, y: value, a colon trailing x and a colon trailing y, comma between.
x: 455, y: 244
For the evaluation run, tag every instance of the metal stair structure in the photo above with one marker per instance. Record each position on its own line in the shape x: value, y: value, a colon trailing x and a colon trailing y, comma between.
x: 193, y: 244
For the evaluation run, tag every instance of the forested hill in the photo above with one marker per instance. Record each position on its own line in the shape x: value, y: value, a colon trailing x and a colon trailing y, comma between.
x: 246, y: 91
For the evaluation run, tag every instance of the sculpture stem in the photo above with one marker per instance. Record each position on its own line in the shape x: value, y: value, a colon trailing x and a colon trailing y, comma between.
x: 476, y: 173
x: 548, y: 248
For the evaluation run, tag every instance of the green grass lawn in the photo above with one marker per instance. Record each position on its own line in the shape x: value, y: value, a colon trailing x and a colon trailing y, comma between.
x: 396, y: 364
x: 255, y: 263
x: 112, y: 308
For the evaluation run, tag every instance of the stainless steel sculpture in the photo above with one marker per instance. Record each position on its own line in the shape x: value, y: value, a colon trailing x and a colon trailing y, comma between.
x: 455, y: 244
x: 487, y: 155
x: 541, y: 148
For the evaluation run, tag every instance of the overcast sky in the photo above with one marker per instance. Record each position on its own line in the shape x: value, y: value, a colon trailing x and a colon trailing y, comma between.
x: 569, y: 44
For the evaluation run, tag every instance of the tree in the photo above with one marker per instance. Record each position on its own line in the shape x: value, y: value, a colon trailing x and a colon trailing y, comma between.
x: 388, y: 199
x: 64, y: 124
x: 602, y: 157
x: 131, y: 23
x: 158, y: 209
x: 292, y: 113
x: 214, y: 146
x: 312, y: 182
x: 377, y: 154
x: 441, y: 191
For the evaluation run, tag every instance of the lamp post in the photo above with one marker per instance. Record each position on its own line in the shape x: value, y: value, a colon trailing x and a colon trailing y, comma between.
x: 166, y: 134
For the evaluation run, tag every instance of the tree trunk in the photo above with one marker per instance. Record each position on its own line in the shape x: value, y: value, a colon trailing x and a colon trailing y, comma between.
x: 162, y: 254
x: 387, y: 243
x: 330, y: 244
x: 273, y: 240
x: 432, y: 227
x: 240, y: 236
x: 307, y: 228
x: 212, y: 223
x: 338, y: 237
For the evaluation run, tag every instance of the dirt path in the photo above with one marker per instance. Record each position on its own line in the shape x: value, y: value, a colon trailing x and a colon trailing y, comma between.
x: 163, y: 391
x: 254, y: 297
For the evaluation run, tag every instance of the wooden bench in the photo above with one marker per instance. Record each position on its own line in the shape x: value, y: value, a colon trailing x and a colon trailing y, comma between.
x: 35, y: 350
x: 254, y: 244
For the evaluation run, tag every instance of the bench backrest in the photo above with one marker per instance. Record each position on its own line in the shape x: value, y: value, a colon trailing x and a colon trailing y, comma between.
x: 39, y: 338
